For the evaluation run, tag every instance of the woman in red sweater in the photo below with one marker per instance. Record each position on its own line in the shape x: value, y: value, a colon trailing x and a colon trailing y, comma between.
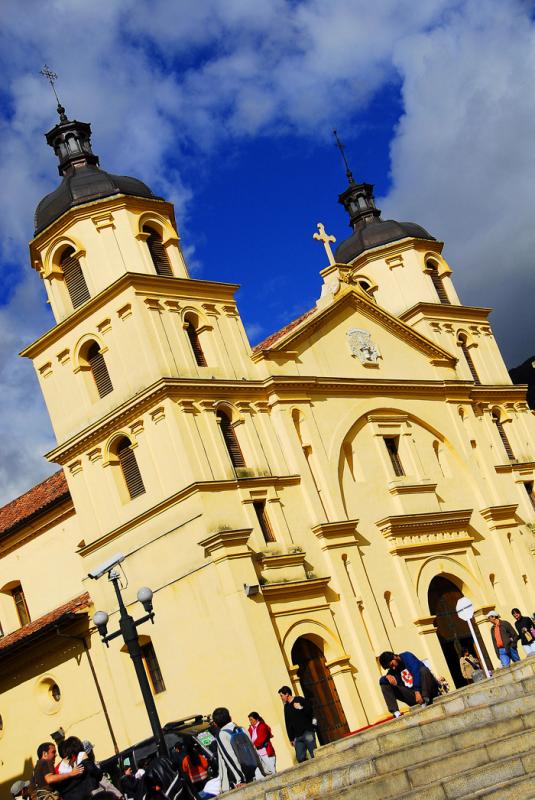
x: 261, y: 736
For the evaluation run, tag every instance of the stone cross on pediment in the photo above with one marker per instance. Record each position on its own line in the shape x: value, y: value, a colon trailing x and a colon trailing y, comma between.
x: 326, y: 239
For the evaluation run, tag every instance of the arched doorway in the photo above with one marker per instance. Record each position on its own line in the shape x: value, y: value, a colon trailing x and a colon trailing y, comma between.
x: 453, y: 634
x: 318, y: 685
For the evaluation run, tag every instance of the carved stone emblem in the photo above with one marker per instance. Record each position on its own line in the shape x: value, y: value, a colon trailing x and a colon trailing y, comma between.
x: 362, y: 346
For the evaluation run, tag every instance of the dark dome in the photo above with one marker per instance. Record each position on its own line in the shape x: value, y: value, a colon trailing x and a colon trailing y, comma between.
x: 375, y: 234
x: 83, y: 180
x: 88, y: 182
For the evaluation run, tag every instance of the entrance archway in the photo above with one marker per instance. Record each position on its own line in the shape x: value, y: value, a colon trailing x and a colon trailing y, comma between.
x: 317, y: 685
x: 453, y: 634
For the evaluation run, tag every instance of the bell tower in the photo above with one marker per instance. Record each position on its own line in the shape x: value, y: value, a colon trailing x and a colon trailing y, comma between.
x: 131, y: 330
x: 401, y: 266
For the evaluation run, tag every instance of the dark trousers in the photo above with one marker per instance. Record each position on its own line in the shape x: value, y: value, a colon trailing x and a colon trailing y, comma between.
x: 391, y: 694
x: 303, y: 744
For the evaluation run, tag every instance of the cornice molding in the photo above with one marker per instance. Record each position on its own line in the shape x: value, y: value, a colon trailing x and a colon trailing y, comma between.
x: 446, y: 312
x: 227, y: 545
x: 274, y: 390
x: 438, y: 530
x: 293, y: 590
x: 158, y: 286
x: 498, y: 517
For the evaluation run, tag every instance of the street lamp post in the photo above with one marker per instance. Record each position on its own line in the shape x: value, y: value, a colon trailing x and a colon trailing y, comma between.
x: 128, y: 630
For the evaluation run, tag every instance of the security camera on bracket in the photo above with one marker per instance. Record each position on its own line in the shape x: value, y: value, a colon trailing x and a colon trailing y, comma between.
x: 106, y: 566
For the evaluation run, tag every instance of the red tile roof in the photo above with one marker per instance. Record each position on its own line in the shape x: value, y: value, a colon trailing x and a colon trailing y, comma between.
x: 34, y: 501
x: 274, y: 338
x: 39, y: 625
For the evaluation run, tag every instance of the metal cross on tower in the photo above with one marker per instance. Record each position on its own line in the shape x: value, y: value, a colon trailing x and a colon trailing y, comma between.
x: 52, y: 77
x: 341, y: 147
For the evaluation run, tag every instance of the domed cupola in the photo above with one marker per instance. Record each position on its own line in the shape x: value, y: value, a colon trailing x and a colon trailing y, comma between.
x: 369, y: 230
x: 83, y: 180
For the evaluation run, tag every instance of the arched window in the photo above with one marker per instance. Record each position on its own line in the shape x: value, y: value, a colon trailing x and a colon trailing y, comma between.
x: 463, y: 344
x: 99, y: 370
x: 496, y: 418
x: 230, y: 439
x: 74, y: 278
x: 21, y: 606
x: 129, y: 467
x: 190, y: 324
x: 437, y: 282
x: 158, y: 254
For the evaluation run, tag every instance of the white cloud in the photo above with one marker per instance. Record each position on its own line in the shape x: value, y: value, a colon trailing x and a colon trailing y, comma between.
x: 461, y: 157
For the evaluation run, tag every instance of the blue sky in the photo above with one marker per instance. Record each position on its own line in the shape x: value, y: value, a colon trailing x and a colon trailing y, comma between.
x: 226, y: 107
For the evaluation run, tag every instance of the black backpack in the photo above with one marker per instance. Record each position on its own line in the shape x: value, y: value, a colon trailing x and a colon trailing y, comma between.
x: 246, y: 753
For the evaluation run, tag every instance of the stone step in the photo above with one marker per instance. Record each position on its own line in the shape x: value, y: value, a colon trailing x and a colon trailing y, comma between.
x: 522, y: 788
x: 405, y: 765
x: 464, y: 721
x: 428, y: 737
x: 463, y: 775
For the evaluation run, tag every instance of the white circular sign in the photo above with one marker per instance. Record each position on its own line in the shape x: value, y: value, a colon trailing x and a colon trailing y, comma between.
x: 464, y: 608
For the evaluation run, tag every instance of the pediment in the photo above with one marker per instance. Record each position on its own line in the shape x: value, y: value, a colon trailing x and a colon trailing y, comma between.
x: 362, y: 318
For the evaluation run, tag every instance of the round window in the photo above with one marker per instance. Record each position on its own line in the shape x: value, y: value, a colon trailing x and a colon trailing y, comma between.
x: 55, y: 692
x: 48, y: 695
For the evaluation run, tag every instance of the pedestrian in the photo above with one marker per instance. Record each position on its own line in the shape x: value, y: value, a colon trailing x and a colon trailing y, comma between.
x: 20, y: 789
x: 504, y: 638
x: 261, y: 737
x: 44, y: 779
x: 407, y: 679
x: 298, y: 716
x: 468, y: 664
x: 104, y: 784
x: 194, y: 764
x: 79, y: 787
x: 526, y: 630
x: 237, y: 756
x: 128, y: 783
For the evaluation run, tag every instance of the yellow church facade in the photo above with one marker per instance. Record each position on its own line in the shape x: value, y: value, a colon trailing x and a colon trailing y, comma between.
x: 296, y: 508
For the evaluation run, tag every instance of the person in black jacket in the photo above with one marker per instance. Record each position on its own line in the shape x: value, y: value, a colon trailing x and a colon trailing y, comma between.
x: 299, y: 724
x: 525, y: 628
x: 79, y: 787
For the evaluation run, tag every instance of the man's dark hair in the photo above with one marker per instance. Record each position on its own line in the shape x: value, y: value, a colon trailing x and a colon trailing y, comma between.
x: 517, y: 610
x: 385, y: 659
x: 43, y: 748
x: 221, y: 716
x: 285, y: 690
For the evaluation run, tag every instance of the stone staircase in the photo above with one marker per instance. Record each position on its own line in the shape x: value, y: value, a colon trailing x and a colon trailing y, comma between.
x: 476, y: 742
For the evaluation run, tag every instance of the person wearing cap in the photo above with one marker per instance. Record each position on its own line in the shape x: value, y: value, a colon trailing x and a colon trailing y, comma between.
x: 504, y: 639
x: 407, y: 679
x: 20, y: 789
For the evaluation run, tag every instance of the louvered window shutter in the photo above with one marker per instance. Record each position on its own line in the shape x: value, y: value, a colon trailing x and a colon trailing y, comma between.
x: 469, y: 361
x: 231, y: 441
x: 439, y: 285
x: 99, y: 370
x: 132, y: 475
x: 159, y: 257
x: 503, y: 436
x: 193, y: 337
x: 75, y: 281
x: 263, y: 520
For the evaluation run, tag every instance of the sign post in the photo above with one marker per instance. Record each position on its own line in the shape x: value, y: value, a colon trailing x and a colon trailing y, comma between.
x: 465, y: 611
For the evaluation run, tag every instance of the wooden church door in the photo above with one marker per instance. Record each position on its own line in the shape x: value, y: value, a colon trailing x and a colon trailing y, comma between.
x: 318, y: 685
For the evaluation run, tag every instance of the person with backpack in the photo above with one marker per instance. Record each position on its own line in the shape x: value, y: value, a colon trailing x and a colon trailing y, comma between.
x: 237, y: 757
x: 261, y: 737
